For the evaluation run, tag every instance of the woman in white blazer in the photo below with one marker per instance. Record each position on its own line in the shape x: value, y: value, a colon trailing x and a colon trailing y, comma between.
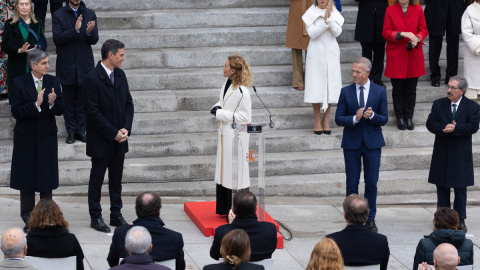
x: 471, y: 55
x: 323, y: 77
x: 234, y: 101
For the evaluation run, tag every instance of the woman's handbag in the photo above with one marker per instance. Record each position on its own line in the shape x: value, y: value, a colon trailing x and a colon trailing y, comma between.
x: 41, y: 43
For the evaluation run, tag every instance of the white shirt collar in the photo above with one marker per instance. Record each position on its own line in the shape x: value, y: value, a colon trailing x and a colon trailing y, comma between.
x: 106, y: 69
x: 35, y: 79
x: 458, y: 102
x: 366, y: 85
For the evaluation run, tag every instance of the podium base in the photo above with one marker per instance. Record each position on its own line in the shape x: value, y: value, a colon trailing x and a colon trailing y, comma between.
x: 203, y: 215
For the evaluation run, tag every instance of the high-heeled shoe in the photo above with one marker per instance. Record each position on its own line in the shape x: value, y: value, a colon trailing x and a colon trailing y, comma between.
x: 326, y: 131
x: 318, y: 132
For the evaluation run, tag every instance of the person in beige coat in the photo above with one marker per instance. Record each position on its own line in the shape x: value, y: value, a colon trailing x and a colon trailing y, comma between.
x: 471, y: 55
x: 234, y: 101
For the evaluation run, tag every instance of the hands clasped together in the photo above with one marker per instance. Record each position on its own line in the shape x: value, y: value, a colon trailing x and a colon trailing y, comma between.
x: 450, y: 127
x: 365, y: 113
x: 122, y: 135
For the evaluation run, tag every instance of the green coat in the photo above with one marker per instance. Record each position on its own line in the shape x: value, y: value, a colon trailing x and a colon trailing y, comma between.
x: 12, y: 40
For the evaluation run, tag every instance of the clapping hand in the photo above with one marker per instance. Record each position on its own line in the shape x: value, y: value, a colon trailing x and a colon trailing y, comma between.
x: 40, y: 98
x: 450, y: 127
x: 367, y: 113
x: 78, y: 23
x: 425, y: 266
x: 25, y: 48
x: 328, y: 11
x: 51, y: 97
x: 359, y: 114
x: 90, y: 26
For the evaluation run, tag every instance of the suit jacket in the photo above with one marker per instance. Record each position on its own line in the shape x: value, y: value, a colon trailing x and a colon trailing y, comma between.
x: 368, y: 130
x: 34, y: 135
x: 108, y: 108
x: 436, y: 15
x: 15, y: 264
x: 242, y: 266
x: 360, y: 246
x: 263, y: 237
x: 139, y: 262
x: 74, y: 50
x: 452, y: 160
x: 370, y: 16
x: 167, y: 244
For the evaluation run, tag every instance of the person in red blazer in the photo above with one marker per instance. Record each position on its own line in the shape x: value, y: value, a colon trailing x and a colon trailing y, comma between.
x: 404, y: 28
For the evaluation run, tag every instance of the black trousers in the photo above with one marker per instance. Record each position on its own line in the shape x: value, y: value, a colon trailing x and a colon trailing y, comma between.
x: 224, y: 200
x: 40, y: 10
x: 375, y: 52
x: 27, y: 202
x: 459, y: 203
x: 73, y: 114
x: 97, y: 174
x: 404, y: 94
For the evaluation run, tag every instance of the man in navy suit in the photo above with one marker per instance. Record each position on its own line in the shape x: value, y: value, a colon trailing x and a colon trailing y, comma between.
x: 360, y: 246
x: 453, y: 120
x: 362, y: 110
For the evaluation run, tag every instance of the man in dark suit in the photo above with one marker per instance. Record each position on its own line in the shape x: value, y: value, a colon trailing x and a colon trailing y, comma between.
x: 14, y: 248
x: 444, y: 16
x: 40, y: 8
x: 358, y: 245
x: 36, y: 98
x: 109, y: 114
x: 362, y: 110
x: 74, y: 32
x: 167, y: 244
x: 263, y: 235
x: 453, y: 120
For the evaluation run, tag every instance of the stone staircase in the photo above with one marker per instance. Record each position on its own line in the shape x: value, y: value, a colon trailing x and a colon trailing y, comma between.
x: 175, y: 51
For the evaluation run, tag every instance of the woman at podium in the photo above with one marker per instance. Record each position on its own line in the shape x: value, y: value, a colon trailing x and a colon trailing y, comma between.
x: 233, y: 109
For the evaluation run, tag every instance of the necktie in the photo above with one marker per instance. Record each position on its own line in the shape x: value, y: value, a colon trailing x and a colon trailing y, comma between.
x: 74, y: 11
x: 111, y: 77
x: 362, y: 98
x: 39, y: 87
x: 454, y: 110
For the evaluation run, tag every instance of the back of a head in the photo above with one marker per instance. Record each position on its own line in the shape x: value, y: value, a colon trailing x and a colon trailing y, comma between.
x: 356, y: 209
x: 46, y: 213
x: 235, y: 247
x: 148, y: 203
x: 13, y: 243
x: 446, y: 218
x: 244, y: 204
x: 446, y: 257
x: 326, y: 255
x: 138, y: 240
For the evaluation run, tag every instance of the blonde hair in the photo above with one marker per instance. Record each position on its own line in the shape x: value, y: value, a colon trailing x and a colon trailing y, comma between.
x: 235, y: 247
x: 331, y: 2
x: 242, y: 75
x: 16, y: 13
x: 326, y: 256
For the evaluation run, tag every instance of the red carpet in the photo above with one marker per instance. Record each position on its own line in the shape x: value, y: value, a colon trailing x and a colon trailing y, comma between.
x: 203, y: 215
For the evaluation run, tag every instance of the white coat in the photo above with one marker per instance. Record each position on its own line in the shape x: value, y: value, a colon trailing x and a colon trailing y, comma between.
x: 471, y: 37
x: 243, y: 114
x: 323, y: 77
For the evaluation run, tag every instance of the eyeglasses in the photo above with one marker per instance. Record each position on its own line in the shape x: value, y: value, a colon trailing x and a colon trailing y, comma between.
x: 453, y: 87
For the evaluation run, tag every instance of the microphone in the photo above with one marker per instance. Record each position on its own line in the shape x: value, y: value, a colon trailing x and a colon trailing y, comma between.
x: 234, y: 125
x: 271, y: 124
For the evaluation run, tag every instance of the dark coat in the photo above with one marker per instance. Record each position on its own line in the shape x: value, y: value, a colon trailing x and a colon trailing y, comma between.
x: 139, y: 262
x: 370, y: 20
x: 263, y: 237
x: 360, y: 246
x: 167, y: 244
x: 241, y: 266
x: 436, y: 16
x: 108, y: 109
x: 452, y: 160
x: 74, y: 50
x: 12, y: 40
x: 35, y: 144
x: 54, y: 242
x: 427, y: 245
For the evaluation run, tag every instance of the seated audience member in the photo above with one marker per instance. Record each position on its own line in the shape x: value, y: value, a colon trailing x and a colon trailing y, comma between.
x: 235, y: 250
x: 326, y: 255
x: 263, y: 235
x: 447, y: 230
x: 445, y: 257
x: 138, y: 244
x: 14, y: 248
x: 49, y: 237
x: 167, y: 244
x: 359, y: 245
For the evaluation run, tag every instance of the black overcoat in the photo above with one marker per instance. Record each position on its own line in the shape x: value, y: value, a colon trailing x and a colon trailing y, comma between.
x: 35, y: 144
x: 108, y: 109
x: 452, y: 161
x: 370, y: 16
x: 436, y: 15
x: 74, y: 50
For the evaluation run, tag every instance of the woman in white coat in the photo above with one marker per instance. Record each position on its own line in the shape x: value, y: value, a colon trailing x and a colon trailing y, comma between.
x: 471, y: 55
x: 323, y: 77
x: 234, y: 101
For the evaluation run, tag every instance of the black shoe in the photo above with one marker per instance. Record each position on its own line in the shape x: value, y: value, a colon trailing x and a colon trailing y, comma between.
x: 118, y: 221
x: 26, y: 228
x: 328, y: 132
x: 99, y: 225
x: 371, y: 225
x: 410, y: 125
x: 435, y: 83
x: 81, y: 137
x: 379, y: 82
x: 462, y: 225
x: 401, y: 124
x: 318, y: 132
x: 70, y: 138
x: 3, y: 96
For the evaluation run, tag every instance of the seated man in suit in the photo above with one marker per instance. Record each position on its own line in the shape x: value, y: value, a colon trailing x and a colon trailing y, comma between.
x: 167, y: 244
x: 14, y: 248
x: 359, y: 245
x: 263, y: 235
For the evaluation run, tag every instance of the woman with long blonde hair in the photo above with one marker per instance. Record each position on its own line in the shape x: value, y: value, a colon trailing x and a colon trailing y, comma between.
x: 326, y: 256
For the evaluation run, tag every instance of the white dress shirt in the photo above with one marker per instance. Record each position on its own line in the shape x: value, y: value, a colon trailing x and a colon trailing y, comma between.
x: 458, y: 104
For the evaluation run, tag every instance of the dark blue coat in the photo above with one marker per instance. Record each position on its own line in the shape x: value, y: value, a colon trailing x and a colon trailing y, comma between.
x: 139, y: 262
x: 35, y: 144
x: 370, y: 16
x: 74, y: 50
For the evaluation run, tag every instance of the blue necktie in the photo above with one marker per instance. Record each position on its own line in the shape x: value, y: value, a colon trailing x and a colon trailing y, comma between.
x: 362, y: 98
x: 74, y: 11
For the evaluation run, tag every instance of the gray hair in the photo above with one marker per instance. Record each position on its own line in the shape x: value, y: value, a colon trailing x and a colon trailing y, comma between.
x: 36, y: 55
x: 12, y: 248
x: 365, y: 61
x: 356, y: 209
x: 138, y: 240
x: 462, y: 82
